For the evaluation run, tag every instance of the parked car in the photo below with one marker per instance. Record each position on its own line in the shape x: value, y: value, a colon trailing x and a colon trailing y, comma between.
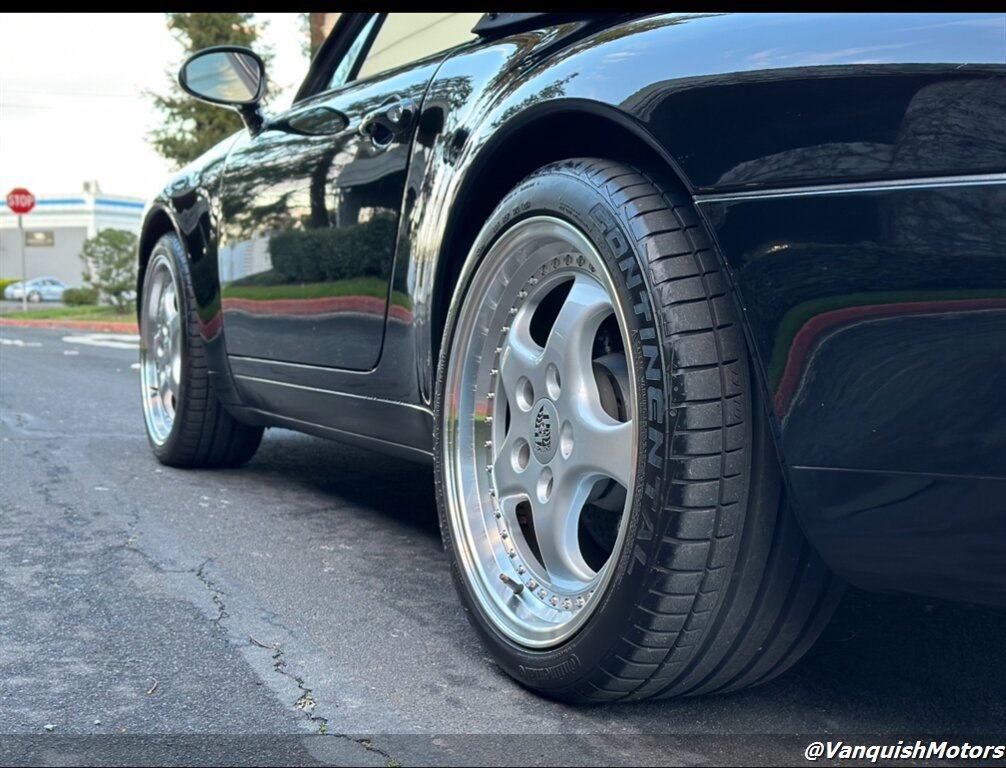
x: 39, y: 289
x: 697, y: 317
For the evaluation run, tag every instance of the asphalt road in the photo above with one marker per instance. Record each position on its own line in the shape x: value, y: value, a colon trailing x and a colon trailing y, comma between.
x: 307, y: 593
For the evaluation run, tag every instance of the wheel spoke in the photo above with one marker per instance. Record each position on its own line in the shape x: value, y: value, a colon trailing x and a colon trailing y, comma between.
x: 521, y: 358
x: 571, y: 340
x: 174, y: 326
x: 160, y: 314
x: 508, y: 480
x: 174, y: 371
x: 555, y: 526
x: 603, y: 446
x: 163, y: 386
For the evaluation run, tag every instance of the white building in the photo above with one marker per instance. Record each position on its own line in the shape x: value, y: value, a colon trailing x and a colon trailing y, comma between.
x: 56, y: 229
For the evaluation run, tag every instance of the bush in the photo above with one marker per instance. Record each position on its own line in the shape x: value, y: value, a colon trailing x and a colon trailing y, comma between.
x: 337, y: 253
x: 80, y: 297
x: 110, y: 266
x: 5, y: 281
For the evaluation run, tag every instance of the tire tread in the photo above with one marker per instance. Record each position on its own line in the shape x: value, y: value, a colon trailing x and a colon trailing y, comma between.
x: 719, y: 638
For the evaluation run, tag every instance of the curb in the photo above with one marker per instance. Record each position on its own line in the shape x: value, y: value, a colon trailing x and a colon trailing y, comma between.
x: 75, y: 325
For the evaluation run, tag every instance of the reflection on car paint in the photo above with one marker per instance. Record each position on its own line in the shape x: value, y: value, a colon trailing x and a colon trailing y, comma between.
x: 781, y: 105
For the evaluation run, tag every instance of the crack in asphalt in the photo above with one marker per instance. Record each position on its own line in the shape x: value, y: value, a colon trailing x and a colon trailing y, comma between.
x: 305, y: 702
x: 217, y: 596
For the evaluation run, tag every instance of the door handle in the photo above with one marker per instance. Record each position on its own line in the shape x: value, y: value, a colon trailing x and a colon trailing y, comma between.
x: 392, y: 119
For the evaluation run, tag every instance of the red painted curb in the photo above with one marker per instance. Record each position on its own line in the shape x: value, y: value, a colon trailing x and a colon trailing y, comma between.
x: 75, y: 325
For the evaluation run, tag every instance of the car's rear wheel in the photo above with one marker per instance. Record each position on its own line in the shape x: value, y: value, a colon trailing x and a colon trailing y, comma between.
x: 609, y: 495
x: 34, y: 297
x: 186, y: 424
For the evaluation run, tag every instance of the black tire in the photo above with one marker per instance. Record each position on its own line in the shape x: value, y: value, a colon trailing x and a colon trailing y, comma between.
x: 715, y: 587
x: 34, y: 297
x: 203, y: 433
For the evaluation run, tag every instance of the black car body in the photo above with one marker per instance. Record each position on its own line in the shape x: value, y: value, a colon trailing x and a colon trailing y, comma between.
x: 850, y: 169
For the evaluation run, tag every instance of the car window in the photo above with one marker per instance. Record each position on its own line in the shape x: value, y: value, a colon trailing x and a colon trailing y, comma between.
x: 407, y: 37
x: 344, y: 72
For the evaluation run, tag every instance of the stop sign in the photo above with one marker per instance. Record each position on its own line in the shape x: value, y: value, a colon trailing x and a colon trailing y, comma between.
x: 20, y: 200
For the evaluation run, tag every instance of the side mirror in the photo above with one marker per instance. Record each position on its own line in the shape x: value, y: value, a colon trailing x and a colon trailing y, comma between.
x: 229, y: 75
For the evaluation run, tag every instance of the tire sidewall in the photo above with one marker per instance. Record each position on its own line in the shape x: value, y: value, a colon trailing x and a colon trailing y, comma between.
x: 568, y: 668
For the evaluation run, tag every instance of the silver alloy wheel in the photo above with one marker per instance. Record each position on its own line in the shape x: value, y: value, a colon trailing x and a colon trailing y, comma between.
x: 160, y: 349
x: 539, y: 431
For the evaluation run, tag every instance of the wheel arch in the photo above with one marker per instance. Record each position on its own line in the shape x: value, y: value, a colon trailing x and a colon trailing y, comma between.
x: 555, y: 131
x: 547, y: 133
x: 158, y: 222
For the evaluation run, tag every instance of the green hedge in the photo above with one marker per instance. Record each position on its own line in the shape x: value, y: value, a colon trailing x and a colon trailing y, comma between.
x: 5, y: 281
x: 319, y: 255
x: 80, y: 297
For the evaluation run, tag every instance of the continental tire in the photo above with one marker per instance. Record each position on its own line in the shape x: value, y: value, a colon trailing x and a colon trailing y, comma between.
x: 609, y: 495
x: 186, y: 425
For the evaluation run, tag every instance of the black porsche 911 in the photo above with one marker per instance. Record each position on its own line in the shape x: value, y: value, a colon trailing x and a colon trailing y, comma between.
x: 697, y: 317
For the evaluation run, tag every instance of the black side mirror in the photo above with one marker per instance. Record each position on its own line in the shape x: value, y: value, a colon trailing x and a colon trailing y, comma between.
x: 229, y: 75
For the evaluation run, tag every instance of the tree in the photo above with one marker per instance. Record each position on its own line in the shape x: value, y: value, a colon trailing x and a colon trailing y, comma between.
x: 110, y: 266
x: 191, y: 126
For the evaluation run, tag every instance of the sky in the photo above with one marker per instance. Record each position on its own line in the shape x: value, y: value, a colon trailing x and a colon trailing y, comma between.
x: 71, y: 96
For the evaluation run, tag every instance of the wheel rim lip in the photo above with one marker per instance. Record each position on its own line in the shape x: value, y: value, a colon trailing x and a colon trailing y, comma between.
x: 461, y: 445
x: 158, y: 414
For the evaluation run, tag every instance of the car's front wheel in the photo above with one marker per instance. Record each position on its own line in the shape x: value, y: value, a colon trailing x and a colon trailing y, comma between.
x: 34, y: 297
x: 610, y: 500
x: 186, y: 424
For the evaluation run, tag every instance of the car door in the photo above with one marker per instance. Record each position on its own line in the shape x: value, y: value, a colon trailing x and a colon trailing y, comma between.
x: 310, y: 208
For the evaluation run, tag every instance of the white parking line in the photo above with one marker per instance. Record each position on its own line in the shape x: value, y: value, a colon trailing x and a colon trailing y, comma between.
x: 113, y: 340
x: 20, y: 343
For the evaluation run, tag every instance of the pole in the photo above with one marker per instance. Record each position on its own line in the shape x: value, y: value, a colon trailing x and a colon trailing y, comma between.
x: 24, y: 271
